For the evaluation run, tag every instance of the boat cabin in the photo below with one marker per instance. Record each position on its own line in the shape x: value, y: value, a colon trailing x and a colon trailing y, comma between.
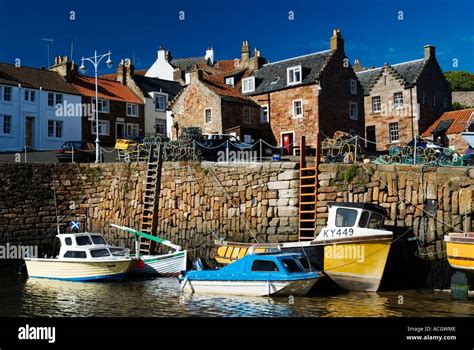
x: 87, y: 246
x: 365, y: 215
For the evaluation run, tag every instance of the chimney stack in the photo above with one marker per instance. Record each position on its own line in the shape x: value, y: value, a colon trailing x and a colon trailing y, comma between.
x: 196, y: 75
x: 210, y: 55
x: 125, y: 71
x: 336, y: 41
x: 429, y: 52
x: 357, y: 66
x: 64, y: 67
x: 245, y: 53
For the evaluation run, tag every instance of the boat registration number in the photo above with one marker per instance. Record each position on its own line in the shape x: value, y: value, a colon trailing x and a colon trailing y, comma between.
x: 337, y: 232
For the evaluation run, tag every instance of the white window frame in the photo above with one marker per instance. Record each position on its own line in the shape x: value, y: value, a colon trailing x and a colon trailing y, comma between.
x: 398, y: 104
x: 293, y: 107
x: 101, y: 132
x: 375, y: 103
x: 100, y: 105
x: 2, y: 97
x: 291, y: 72
x: 132, y: 106
x: 205, y: 115
x: 351, y: 116
x: 247, y: 115
x: 155, y: 100
x: 56, y: 124
x: 28, y: 94
x: 248, y: 84
x: 392, y: 131
x: 132, y: 126
x: 230, y: 81
x: 353, y: 84
x: 262, y: 120
x: 2, y: 124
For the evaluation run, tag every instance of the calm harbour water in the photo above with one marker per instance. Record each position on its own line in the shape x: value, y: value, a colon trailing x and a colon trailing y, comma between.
x: 161, y: 297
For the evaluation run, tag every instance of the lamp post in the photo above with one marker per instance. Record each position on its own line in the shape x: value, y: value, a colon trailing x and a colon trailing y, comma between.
x: 95, y: 60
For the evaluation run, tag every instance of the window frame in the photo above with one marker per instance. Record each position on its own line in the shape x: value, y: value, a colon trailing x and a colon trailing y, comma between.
x: 262, y: 108
x: 10, y: 121
x: 398, y: 105
x: 250, y: 81
x: 351, y: 104
x: 390, y: 131
x: 133, y: 106
x: 264, y: 271
x: 338, y: 210
x: 30, y: 93
x: 163, y: 125
x: 205, y: 115
x: 293, y: 108
x: 353, y: 86
x: 230, y: 79
x: 55, y: 125
x: 101, y: 122
x: 100, y: 105
x: 290, y: 72
x: 132, y: 126
x: 379, y: 103
x: 156, y: 97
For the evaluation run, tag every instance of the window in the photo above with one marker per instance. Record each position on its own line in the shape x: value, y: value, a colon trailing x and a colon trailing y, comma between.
x: 160, y: 103
x: 6, y: 124
x: 398, y: 100
x: 103, y: 127
x: 132, y: 110
x: 229, y: 81
x: 376, y: 221
x: 247, y: 115
x: 291, y: 265
x: 7, y: 93
x: 293, y: 75
x: 297, y: 108
x: 353, y: 86
x: 133, y: 129
x: 83, y: 240
x: 353, y: 113
x: 264, y: 117
x: 99, y: 253
x: 345, y: 217
x: 117, y: 251
x: 55, y: 129
x: 393, y: 130
x: 102, y: 105
x: 208, y: 115
x: 98, y: 240
x: 264, y: 266
x: 248, y: 84
x: 75, y: 254
x: 376, y: 104
x: 54, y: 99
x: 160, y: 126
x: 30, y: 95
x: 68, y: 241
x: 364, y: 218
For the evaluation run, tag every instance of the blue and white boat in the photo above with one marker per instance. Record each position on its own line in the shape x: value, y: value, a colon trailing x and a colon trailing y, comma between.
x: 254, y: 275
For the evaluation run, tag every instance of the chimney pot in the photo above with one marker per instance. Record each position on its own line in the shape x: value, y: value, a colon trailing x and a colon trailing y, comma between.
x: 430, y: 51
x: 336, y: 41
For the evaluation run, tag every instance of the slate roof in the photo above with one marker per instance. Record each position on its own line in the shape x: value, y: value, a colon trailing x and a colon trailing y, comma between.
x: 409, y: 71
x: 227, y: 92
x: 459, y: 121
x: 34, y: 78
x: 147, y: 85
x: 311, y: 64
x: 108, y: 89
x: 186, y: 64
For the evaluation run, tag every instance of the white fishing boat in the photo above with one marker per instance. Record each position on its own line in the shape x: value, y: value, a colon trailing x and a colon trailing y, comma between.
x: 82, y: 257
x: 170, y: 264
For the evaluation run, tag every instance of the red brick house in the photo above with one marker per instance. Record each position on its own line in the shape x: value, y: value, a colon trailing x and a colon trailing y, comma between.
x: 447, y: 129
x: 402, y: 100
x: 305, y: 95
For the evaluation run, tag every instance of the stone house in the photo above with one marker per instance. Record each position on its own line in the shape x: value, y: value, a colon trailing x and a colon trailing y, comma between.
x: 307, y: 95
x: 33, y: 110
x: 447, y: 129
x: 402, y: 100
x: 215, y: 107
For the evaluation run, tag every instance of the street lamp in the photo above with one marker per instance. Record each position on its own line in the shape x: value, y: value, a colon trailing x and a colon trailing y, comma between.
x: 95, y: 60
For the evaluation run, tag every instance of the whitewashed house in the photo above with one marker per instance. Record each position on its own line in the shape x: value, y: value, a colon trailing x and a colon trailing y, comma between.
x: 29, y: 113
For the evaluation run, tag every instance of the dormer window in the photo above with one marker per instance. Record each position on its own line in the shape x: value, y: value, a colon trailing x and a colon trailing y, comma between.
x: 229, y: 81
x: 248, y: 85
x: 293, y: 75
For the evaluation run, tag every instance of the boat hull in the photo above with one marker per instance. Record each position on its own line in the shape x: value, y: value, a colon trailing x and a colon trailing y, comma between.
x: 78, y: 271
x: 460, y: 252
x: 162, y: 265
x: 251, y: 288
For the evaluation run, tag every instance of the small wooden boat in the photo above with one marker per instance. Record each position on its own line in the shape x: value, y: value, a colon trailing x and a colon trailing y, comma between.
x: 352, y: 249
x: 254, y: 275
x: 82, y: 257
x: 460, y: 251
x: 170, y: 264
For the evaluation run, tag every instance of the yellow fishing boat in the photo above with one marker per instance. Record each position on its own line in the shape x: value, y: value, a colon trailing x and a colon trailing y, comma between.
x: 460, y: 251
x: 352, y: 249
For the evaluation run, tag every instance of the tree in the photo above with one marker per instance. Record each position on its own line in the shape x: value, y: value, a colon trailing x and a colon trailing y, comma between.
x: 460, y: 80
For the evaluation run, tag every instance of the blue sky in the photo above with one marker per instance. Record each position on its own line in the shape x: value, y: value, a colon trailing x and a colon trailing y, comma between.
x: 371, y: 29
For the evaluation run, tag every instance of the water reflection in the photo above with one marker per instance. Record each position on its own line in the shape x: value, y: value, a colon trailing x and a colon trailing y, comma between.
x: 162, y: 297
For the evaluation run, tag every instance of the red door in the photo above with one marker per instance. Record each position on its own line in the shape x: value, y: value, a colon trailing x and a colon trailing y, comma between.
x: 287, y: 142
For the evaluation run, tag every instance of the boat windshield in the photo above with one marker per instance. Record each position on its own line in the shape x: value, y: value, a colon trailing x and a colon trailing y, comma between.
x: 117, y: 251
x: 345, y: 217
x: 364, y: 219
x: 99, y: 253
x: 83, y: 240
x: 291, y: 265
x: 98, y: 240
x: 376, y: 221
x: 75, y: 254
x: 264, y: 266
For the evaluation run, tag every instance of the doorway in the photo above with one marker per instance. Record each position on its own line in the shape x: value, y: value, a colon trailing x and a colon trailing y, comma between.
x: 120, y: 131
x: 370, y: 131
x: 29, y: 131
x: 287, y: 143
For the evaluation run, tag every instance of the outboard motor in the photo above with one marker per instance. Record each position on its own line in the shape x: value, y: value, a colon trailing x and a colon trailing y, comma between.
x: 200, y: 264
